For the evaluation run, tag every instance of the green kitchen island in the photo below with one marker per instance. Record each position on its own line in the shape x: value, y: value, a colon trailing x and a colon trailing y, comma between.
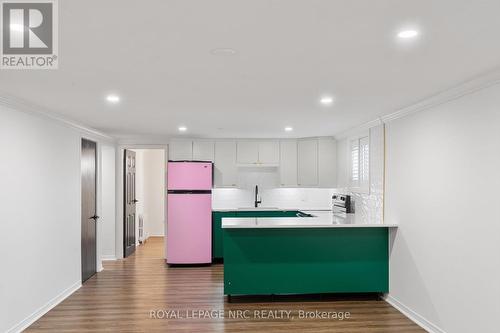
x: 218, y: 215
x: 325, y: 253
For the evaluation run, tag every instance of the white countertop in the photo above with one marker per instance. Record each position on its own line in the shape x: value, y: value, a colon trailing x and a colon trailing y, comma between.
x: 252, y: 209
x: 321, y: 219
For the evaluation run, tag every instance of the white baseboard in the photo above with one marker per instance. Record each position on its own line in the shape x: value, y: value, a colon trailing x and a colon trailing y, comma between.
x: 108, y: 257
x: 412, y: 315
x: 45, y: 308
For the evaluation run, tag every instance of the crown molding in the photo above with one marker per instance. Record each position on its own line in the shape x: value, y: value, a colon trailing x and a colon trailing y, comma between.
x: 479, y: 82
x: 21, y: 105
x: 143, y: 140
x: 359, y: 129
x: 466, y: 88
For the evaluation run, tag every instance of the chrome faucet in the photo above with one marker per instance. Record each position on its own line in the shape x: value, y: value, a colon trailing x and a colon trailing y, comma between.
x: 257, y: 201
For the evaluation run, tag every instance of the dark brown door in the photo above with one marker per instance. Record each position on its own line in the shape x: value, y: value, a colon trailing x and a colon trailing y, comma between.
x: 130, y: 201
x: 89, y: 216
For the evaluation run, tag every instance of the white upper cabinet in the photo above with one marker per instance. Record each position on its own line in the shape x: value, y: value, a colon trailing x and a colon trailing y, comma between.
x: 327, y: 162
x: 258, y: 152
x: 203, y: 150
x: 188, y: 150
x: 307, y: 166
x: 288, y: 163
x: 248, y: 152
x: 180, y: 150
x: 309, y: 162
x: 269, y: 152
x: 226, y: 172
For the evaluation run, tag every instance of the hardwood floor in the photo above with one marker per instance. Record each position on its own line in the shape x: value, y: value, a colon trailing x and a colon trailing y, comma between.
x: 121, y: 298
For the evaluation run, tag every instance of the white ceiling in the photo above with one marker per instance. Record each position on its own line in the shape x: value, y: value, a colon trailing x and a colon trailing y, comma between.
x: 157, y: 56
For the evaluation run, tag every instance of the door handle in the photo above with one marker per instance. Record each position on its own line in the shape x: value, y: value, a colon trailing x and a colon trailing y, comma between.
x: 95, y: 217
x: 135, y: 200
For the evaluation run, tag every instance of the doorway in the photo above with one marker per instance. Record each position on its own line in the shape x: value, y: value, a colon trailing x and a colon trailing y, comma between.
x: 89, y: 214
x: 130, y: 202
x: 144, y: 197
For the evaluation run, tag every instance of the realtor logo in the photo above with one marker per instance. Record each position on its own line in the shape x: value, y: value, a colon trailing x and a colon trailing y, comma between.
x: 29, y: 34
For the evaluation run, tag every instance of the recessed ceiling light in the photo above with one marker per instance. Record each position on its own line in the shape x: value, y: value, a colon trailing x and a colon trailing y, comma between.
x: 223, y: 51
x: 406, y: 34
x: 326, y: 100
x: 288, y: 129
x: 113, y: 98
x: 182, y: 128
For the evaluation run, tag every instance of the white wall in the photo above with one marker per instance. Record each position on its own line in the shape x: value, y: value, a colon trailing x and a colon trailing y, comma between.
x: 442, y: 185
x: 151, y: 191
x: 155, y: 194
x: 106, y: 224
x: 40, y: 205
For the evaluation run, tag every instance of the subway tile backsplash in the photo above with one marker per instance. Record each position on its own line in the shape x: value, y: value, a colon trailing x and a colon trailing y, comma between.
x: 299, y: 198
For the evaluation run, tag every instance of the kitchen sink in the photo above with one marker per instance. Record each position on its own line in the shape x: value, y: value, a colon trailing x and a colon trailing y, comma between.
x: 257, y: 208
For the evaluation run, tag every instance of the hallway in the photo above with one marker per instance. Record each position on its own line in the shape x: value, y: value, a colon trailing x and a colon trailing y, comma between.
x: 121, y: 297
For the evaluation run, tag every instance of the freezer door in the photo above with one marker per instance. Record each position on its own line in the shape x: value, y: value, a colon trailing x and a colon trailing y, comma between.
x: 189, y: 176
x: 189, y: 228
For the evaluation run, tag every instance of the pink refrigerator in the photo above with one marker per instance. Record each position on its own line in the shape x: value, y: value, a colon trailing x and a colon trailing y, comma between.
x: 189, y: 212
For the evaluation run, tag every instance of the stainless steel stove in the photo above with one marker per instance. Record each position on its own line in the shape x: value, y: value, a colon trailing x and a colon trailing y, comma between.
x: 341, y: 204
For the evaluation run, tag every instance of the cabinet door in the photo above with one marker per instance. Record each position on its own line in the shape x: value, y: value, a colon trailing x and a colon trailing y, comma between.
x: 327, y: 162
x: 203, y: 150
x: 288, y: 163
x: 307, y: 162
x: 226, y: 172
x: 180, y: 150
x: 269, y: 152
x: 217, y: 236
x: 248, y: 152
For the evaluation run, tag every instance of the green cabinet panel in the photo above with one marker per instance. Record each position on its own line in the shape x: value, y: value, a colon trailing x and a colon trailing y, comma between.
x: 217, y: 241
x: 305, y: 260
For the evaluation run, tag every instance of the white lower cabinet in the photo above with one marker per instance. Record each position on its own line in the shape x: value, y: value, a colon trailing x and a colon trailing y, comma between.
x: 307, y: 166
x: 288, y: 163
x: 226, y: 171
